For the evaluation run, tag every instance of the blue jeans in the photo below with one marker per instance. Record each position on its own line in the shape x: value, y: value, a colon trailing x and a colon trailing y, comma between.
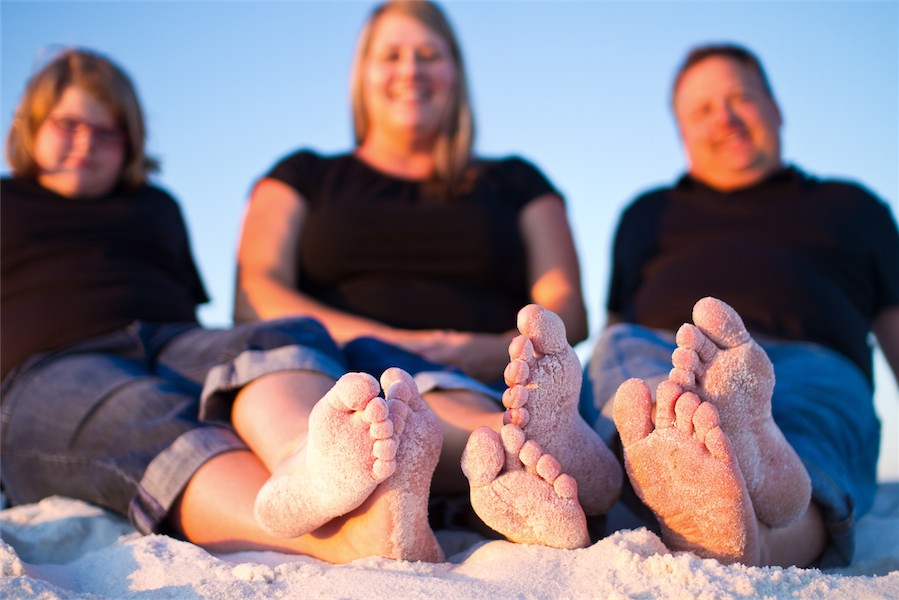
x: 822, y: 403
x: 124, y: 420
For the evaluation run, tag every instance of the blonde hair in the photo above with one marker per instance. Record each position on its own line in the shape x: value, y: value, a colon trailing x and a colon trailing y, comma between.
x: 452, y: 151
x: 98, y: 76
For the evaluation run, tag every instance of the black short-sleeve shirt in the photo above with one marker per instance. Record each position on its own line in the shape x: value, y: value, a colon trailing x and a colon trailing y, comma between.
x: 378, y: 246
x: 73, y: 269
x: 799, y: 258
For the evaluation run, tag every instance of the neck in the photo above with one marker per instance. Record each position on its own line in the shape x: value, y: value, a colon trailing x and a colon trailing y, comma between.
x: 734, y: 182
x: 410, y: 159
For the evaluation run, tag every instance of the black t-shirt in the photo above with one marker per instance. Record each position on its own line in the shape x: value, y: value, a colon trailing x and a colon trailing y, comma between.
x: 798, y: 258
x: 378, y: 246
x: 73, y: 269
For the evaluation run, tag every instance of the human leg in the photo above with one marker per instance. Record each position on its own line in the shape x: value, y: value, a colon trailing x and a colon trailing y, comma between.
x: 217, y: 507
x: 521, y: 492
x: 683, y: 467
x: 544, y: 378
x: 624, y: 351
x: 824, y: 406
x: 519, y: 487
x: 326, y: 456
x: 718, y: 359
x: 95, y: 423
x: 461, y: 403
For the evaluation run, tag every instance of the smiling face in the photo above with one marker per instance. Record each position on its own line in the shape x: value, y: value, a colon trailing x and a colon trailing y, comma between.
x: 408, y: 79
x: 79, y: 149
x: 729, y: 124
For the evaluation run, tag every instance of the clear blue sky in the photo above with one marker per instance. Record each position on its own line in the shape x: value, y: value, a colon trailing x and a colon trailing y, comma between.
x: 580, y: 88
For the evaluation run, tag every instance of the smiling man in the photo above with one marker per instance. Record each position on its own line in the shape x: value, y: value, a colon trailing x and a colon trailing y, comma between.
x: 811, y: 268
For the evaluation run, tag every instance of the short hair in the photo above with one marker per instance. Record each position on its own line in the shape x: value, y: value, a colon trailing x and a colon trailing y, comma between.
x: 731, y: 51
x: 98, y: 76
x: 452, y: 154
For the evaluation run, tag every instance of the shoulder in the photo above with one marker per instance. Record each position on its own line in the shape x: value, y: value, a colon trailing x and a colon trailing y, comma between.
x: 307, y: 159
x: 516, y: 176
x: 841, y: 192
x: 305, y: 168
x: 18, y: 188
x: 649, y: 201
x: 150, y: 194
x: 155, y: 191
x: 510, y: 166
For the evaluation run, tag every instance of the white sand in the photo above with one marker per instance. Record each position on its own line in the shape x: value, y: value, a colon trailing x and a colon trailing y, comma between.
x: 62, y: 548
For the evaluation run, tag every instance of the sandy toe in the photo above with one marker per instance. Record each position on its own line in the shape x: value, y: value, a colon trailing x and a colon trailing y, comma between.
x: 521, y: 492
x: 403, y: 498
x: 351, y: 448
x: 719, y: 361
x: 544, y: 379
x: 684, y: 469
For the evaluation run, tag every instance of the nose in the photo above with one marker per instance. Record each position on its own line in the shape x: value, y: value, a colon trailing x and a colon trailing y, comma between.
x: 726, y: 114
x: 85, y: 139
x: 410, y: 63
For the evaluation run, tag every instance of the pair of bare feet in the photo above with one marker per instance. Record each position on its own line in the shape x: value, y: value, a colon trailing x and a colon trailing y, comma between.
x: 374, y: 458
x: 367, y: 462
x: 710, y: 462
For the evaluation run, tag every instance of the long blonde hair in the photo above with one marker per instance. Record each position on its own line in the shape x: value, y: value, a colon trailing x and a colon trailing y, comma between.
x: 452, y: 151
x: 98, y: 76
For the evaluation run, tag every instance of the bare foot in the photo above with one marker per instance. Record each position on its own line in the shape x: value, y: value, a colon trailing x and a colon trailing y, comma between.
x: 402, y: 500
x: 717, y: 359
x: 683, y: 468
x: 521, y: 492
x: 544, y: 379
x: 350, y: 449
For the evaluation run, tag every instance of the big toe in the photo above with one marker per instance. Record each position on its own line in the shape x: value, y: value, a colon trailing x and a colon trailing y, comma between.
x: 543, y: 327
x: 720, y: 322
x: 483, y: 457
x: 353, y: 392
x: 632, y: 411
x: 398, y: 384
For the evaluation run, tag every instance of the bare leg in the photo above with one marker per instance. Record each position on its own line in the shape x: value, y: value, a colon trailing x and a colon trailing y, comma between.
x: 460, y: 412
x: 404, y: 496
x: 684, y: 469
x: 349, y: 450
x: 718, y: 360
x: 216, y: 510
x: 544, y: 379
x: 521, y: 492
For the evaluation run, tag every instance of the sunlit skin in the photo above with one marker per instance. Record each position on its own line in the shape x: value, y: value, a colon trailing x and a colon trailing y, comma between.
x: 409, y: 81
x: 79, y: 149
x: 729, y: 124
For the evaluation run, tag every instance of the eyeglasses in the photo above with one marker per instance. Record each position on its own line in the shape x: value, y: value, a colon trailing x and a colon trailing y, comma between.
x: 70, y: 127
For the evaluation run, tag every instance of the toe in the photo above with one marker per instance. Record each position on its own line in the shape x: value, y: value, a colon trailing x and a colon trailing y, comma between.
x: 632, y: 411
x: 691, y: 337
x: 483, y: 457
x: 548, y: 468
x: 543, y: 327
x: 667, y: 394
x: 684, y: 409
x: 705, y: 419
x: 516, y: 373
x: 513, y: 439
x: 353, y: 391
x: 515, y: 397
x: 720, y: 322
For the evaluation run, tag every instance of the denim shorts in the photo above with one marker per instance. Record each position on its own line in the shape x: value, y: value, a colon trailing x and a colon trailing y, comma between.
x: 822, y: 403
x: 124, y: 420
x: 114, y: 420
